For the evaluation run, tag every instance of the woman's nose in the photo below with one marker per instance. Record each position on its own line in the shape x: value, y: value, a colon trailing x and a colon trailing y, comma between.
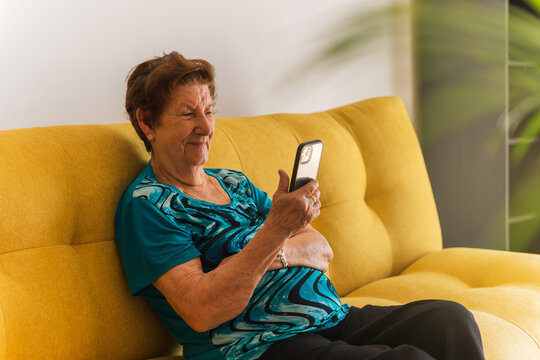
x: 205, y: 124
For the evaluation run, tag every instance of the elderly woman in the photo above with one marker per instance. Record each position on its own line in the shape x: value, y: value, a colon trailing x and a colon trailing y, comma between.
x: 233, y: 274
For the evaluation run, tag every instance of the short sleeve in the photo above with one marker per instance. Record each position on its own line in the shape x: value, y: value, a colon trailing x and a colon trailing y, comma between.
x: 261, y: 198
x: 149, y: 242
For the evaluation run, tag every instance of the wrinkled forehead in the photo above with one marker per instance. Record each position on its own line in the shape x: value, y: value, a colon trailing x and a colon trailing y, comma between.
x: 191, y: 96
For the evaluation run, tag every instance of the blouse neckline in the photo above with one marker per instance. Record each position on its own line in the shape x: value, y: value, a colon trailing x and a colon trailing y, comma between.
x: 208, y: 172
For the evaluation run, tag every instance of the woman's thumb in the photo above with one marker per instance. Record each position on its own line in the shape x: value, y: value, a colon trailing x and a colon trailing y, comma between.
x: 283, y: 185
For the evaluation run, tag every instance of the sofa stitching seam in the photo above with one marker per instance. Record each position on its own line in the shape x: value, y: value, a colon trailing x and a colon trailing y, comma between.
x: 337, y: 117
x: 233, y: 145
x: 289, y: 127
x: 51, y: 245
x: 78, y: 199
x: 469, y: 286
x: 525, y: 331
x: 325, y: 205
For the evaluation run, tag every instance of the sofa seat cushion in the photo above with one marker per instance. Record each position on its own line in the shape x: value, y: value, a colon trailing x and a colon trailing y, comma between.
x: 502, y: 289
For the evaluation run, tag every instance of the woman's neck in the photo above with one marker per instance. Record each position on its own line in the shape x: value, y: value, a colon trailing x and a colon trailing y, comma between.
x: 184, y: 176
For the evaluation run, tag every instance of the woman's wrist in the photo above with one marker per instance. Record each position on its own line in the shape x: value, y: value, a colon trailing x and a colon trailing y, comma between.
x: 273, y: 227
x: 282, y: 258
x: 278, y: 264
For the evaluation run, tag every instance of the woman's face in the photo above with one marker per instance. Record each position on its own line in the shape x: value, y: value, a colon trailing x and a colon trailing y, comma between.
x: 186, y: 127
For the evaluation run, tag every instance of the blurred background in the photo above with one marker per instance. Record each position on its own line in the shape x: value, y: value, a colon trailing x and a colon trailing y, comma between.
x: 476, y: 109
x: 65, y: 62
x: 467, y: 70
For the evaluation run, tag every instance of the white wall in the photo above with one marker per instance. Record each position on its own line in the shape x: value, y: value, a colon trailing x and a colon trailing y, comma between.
x: 65, y: 62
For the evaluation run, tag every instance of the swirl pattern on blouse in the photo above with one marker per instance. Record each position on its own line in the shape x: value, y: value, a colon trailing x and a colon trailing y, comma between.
x: 286, y: 301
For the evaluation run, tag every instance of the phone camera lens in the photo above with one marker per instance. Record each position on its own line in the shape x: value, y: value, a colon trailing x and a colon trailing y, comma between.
x: 305, y: 156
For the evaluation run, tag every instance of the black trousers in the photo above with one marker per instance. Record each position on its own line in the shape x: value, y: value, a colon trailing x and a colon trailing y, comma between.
x: 427, y: 329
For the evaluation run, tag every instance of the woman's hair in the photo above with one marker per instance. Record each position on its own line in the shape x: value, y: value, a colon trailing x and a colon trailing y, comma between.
x: 150, y: 84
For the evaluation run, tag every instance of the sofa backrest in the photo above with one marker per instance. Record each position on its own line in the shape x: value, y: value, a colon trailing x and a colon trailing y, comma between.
x: 63, y: 293
x: 378, y: 211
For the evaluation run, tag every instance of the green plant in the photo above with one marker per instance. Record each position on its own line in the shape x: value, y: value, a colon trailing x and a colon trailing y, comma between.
x: 476, y: 58
x: 480, y: 30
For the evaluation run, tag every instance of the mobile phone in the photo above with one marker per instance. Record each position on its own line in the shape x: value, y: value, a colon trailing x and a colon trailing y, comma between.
x: 306, y: 163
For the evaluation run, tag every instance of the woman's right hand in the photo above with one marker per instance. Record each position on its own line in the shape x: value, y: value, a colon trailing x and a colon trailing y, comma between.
x: 291, y: 212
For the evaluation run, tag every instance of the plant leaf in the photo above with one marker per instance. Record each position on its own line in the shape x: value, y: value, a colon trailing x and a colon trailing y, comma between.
x: 535, y: 4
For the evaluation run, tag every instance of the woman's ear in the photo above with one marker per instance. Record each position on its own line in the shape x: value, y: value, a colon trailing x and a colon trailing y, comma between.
x: 141, y: 115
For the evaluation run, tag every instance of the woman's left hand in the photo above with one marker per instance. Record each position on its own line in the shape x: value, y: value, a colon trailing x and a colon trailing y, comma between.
x: 306, y: 248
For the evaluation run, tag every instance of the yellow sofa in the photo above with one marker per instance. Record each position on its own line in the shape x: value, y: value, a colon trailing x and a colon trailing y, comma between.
x: 63, y: 294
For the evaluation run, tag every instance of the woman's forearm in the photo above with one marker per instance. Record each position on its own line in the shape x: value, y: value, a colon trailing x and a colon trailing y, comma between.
x: 239, y: 274
x: 222, y: 294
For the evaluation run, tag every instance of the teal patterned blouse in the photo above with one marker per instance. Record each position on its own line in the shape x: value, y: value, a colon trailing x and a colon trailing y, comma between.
x: 158, y: 227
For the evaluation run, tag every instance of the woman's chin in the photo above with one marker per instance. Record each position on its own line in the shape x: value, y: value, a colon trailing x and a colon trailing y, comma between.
x: 196, y: 157
x: 197, y: 161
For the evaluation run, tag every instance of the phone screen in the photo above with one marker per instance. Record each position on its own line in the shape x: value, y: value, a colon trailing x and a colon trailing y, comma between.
x: 306, y: 163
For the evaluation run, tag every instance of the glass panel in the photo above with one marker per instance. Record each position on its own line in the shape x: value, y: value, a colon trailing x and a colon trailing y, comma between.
x: 524, y: 101
x: 462, y: 93
x: 524, y: 202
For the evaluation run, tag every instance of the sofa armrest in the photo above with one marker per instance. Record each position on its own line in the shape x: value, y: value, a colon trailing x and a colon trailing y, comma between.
x: 482, y: 267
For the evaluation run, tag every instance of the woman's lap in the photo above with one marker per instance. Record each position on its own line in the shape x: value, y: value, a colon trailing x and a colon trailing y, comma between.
x: 315, y: 346
x: 419, y: 330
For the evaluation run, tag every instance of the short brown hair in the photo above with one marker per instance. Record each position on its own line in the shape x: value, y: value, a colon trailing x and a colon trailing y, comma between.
x: 150, y: 84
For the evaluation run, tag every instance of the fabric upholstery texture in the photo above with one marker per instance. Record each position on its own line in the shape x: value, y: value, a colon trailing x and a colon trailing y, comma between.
x: 63, y: 293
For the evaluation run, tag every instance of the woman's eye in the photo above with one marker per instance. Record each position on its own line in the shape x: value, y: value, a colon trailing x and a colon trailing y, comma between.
x: 187, y: 114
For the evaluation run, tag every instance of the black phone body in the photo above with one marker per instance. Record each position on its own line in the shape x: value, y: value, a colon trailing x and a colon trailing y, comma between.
x: 306, y: 163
